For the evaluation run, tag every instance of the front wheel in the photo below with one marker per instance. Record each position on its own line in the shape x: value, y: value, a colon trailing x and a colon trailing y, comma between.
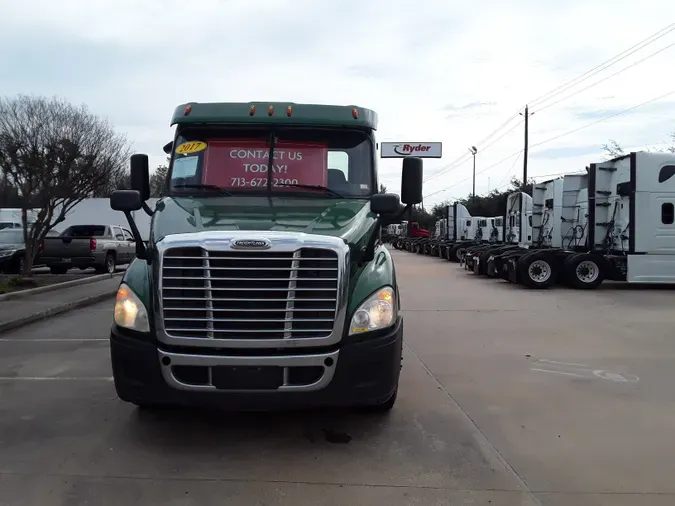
x: 454, y: 253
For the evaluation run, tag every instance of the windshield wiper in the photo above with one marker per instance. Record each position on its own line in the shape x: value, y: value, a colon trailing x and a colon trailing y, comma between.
x: 315, y: 187
x: 204, y: 187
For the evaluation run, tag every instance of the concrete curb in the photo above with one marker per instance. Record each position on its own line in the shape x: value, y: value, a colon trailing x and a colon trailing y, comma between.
x: 56, y: 286
x: 56, y: 310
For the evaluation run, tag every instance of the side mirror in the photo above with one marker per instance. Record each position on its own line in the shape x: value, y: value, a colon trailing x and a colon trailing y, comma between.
x: 411, y: 181
x: 384, y: 203
x: 168, y: 147
x: 125, y: 200
x: 140, y: 176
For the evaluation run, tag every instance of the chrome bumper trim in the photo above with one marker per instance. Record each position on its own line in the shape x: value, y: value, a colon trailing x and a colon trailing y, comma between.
x: 326, y: 360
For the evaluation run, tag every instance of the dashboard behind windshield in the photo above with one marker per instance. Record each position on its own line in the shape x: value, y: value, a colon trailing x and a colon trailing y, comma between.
x: 238, y: 161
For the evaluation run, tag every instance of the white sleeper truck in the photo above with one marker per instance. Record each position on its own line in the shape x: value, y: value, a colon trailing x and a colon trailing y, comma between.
x: 626, y: 220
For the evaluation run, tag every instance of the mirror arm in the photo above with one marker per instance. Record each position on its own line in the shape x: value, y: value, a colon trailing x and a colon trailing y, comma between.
x: 147, y: 209
x: 141, y: 251
x: 368, y: 251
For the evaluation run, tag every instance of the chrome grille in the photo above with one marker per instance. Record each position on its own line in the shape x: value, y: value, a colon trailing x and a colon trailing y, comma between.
x: 249, y: 295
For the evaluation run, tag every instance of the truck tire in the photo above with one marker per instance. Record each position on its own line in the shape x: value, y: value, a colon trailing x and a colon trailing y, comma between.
x: 584, y: 271
x: 58, y: 269
x: 537, y: 270
x: 453, y: 253
x: 108, y: 265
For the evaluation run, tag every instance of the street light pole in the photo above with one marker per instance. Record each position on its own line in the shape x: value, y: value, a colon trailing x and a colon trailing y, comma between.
x: 473, y: 151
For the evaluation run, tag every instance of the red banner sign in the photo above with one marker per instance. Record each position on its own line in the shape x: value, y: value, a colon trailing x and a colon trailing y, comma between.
x: 244, y: 163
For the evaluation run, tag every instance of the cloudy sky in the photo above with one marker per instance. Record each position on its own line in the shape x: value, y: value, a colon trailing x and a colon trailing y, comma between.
x: 434, y: 70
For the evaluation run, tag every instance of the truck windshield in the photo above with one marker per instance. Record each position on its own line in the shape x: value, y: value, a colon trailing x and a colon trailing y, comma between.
x: 237, y: 161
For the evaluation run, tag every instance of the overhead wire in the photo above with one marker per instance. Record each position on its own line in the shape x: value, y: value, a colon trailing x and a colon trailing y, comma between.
x: 569, y: 132
x: 442, y: 172
x: 461, y: 160
x: 604, y: 65
x: 510, y: 170
x: 606, y: 78
x: 624, y: 111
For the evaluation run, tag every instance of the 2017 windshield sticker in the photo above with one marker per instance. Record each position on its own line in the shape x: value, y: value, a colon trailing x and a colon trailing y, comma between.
x: 245, y: 163
x: 190, y: 147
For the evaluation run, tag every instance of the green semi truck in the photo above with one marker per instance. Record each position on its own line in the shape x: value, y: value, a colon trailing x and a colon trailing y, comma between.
x: 264, y: 283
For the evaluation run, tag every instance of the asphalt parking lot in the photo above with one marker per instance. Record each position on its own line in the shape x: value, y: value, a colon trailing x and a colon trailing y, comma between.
x: 508, y: 397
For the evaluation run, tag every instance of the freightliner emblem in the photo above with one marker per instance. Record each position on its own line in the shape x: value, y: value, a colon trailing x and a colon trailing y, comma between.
x: 251, y: 244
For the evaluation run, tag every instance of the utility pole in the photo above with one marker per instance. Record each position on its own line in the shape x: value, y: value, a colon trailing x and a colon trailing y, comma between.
x: 521, y: 225
x: 526, y: 115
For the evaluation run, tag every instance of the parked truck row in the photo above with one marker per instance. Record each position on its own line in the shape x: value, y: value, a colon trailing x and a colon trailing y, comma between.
x: 614, y: 221
x: 453, y: 233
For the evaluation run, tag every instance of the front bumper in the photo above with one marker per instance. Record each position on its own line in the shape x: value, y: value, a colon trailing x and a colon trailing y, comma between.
x: 356, y: 373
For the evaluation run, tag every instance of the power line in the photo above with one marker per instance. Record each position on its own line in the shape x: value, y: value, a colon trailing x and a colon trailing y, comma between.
x: 557, y: 91
x: 447, y: 168
x: 503, y: 125
x: 603, y: 119
x: 510, y: 170
x: 441, y: 172
x: 606, y: 78
x: 555, y: 138
x: 606, y: 64
x: 477, y: 173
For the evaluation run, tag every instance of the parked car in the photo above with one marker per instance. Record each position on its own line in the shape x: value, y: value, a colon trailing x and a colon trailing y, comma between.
x: 13, y: 248
x: 102, y: 247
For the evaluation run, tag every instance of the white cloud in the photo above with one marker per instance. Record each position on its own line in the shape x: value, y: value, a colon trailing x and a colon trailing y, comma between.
x: 435, y: 70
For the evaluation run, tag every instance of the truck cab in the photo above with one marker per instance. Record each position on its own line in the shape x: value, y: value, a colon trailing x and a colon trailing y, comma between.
x: 259, y: 288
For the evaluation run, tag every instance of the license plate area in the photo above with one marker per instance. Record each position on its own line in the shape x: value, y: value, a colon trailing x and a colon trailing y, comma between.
x: 247, y: 377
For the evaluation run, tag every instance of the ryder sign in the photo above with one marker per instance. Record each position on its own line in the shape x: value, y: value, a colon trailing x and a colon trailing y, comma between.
x: 417, y: 149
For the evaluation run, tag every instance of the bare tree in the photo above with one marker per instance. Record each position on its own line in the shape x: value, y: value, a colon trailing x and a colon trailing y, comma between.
x: 158, y: 181
x: 119, y: 180
x: 671, y: 143
x: 54, y: 155
x: 612, y: 149
x: 383, y: 189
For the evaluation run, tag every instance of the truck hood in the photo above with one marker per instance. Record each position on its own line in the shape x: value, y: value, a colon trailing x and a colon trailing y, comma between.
x: 348, y: 219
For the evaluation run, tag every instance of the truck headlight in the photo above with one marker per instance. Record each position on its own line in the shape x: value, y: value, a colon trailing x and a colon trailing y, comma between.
x: 377, y: 312
x: 130, y: 312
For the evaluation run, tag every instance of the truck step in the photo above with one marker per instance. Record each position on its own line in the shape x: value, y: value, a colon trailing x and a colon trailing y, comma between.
x: 538, y: 213
x: 608, y: 169
x: 603, y: 192
x: 539, y: 187
x: 603, y: 204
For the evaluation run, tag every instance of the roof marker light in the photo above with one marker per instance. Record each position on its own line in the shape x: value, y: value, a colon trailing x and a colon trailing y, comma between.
x: 270, y: 110
x: 355, y: 113
x: 251, y: 110
x: 289, y: 111
x: 188, y: 109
